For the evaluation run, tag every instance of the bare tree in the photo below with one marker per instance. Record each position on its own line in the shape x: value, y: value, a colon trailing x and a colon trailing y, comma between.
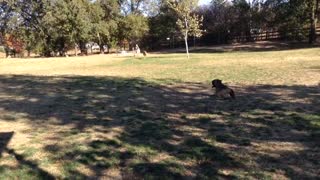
x: 188, y: 22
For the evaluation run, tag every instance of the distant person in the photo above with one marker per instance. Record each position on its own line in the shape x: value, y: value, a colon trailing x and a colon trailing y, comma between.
x: 137, y: 49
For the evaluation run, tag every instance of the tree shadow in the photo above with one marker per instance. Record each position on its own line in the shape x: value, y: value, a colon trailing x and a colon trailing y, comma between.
x: 166, y: 131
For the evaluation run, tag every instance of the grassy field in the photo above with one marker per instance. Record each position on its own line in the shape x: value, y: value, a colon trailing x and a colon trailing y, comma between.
x: 118, y: 117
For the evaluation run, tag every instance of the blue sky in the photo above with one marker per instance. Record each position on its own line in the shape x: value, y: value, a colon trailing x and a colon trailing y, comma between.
x: 201, y: 2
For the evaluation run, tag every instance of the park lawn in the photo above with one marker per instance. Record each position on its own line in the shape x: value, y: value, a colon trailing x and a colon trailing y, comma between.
x: 154, y: 117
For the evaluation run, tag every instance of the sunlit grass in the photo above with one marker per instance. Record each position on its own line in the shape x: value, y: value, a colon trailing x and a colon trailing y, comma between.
x: 276, y: 67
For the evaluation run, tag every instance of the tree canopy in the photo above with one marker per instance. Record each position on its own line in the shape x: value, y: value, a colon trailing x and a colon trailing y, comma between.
x: 53, y: 27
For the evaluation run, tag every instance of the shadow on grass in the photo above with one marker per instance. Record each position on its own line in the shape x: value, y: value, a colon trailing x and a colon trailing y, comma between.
x: 5, y: 138
x: 168, y: 132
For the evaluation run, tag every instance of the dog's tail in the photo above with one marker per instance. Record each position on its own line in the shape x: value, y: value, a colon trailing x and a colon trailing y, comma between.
x: 232, y: 94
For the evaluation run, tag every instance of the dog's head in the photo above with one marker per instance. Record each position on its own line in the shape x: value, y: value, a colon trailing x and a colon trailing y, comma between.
x: 216, y: 82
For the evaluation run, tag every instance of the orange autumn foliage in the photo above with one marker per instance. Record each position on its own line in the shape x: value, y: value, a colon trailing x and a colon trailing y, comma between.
x: 13, y: 43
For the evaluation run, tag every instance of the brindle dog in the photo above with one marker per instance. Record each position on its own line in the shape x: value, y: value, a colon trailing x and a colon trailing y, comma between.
x: 221, y: 90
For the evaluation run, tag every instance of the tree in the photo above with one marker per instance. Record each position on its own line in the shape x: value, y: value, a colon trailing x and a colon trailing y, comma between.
x: 162, y: 26
x: 188, y: 22
x: 32, y: 17
x: 314, y: 12
x: 72, y: 18
x: 107, y: 26
x: 133, y: 28
x: 138, y: 6
x: 291, y: 18
x: 218, y: 20
x: 242, y: 11
x: 13, y: 44
x: 6, y: 13
x: 98, y: 26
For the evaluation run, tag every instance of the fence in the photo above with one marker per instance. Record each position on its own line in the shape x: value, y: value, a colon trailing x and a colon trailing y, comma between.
x: 273, y: 35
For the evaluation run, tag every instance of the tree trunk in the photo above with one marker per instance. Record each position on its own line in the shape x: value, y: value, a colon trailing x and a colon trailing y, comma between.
x: 132, y: 2
x: 47, y: 52
x: 248, y: 34
x: 101, y: 48
x: 83, y: 48
x: 173, y: 42
x: 313, y: 20
x: 6, y: 49
x: 14, y: 53
x: 186, y: 42
x: 100, y: 44
x: 186, y: 37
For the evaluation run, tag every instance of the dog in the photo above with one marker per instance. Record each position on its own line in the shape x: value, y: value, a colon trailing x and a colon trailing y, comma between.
x: 144, y: 53
x: 222, y: 90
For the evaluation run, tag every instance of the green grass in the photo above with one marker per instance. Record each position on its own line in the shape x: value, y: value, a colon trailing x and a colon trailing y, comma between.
x: 156, y: 118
